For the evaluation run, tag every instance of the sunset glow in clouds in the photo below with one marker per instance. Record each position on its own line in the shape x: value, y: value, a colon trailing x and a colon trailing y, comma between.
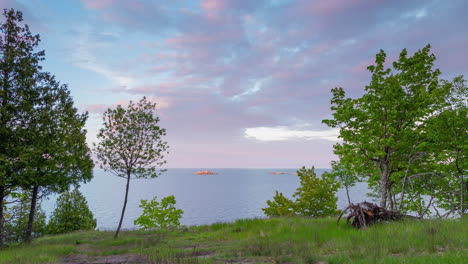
x: 239, y: 83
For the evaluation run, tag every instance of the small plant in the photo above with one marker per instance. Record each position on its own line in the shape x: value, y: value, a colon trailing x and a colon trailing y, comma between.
x: 71, y: 214
x: 156, y: 214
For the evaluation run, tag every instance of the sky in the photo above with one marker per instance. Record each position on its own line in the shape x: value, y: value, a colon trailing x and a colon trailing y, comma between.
x: 238, y: 83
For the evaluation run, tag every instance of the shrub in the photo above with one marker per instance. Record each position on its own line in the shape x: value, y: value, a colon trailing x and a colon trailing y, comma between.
x: 159, y: 214
x: 17, y: 217
x: 280, y: 206
x: 315, y: 197
x: 71, y: 214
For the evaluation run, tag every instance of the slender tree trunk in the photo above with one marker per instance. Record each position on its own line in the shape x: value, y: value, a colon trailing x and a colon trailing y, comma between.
x: 124, y: 206
x: 32, y: 212
x: 390, y: 198
x: 347, y: 194
x: 462, y: 195
x: 2, y: 220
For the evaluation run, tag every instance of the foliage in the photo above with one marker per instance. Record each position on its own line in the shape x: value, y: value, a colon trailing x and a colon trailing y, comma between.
x: 130, y: 144
x: 280, y: 206
x: 156, y: 214
x: 131, y: 141
x: 45, y: 143
x: 383, y: 126
x: 71, y: 213
x: 345, y: 176
x: 17, y: 217
x: 19, y: 65
x: 315, y: 197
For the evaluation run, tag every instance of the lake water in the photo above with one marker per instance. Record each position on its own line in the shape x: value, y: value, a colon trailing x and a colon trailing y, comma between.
x: 232, y: 194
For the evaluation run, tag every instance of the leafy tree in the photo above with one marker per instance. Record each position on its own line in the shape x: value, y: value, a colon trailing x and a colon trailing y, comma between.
x: 131, y: 144
x: 379, y: 129
x: 71, y: 213
x: 19, y: 67
x: 156, y: 214
x: 315, y: 197
x: 345, y: 176
x: 57, y: 151
x: 448, y: 137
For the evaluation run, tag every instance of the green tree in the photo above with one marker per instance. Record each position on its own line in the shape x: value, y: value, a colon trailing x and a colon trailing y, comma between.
x: 71, y: 213
x: 448, y: 136
x: 345, y: 176
x: 156, y: 214
x: 19, y: 67
x: 131, y: 144
x: 379, y: 129
x: 57, y: 154
x: 314, y: 197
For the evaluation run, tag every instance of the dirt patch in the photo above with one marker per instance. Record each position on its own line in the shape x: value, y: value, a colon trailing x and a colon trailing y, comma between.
x: 114, y: 259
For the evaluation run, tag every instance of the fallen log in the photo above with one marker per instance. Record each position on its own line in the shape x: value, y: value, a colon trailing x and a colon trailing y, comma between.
x: 364, y: 214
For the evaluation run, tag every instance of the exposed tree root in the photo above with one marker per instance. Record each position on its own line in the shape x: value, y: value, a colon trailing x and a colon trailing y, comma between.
x: 365, y: 213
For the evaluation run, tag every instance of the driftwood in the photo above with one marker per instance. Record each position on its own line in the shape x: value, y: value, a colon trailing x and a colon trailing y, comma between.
x: 365, y: 213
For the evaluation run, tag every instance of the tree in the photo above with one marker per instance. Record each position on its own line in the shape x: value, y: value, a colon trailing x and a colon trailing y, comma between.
x: 448, y: 137
x: 379, y: 128
x: 156, y: 214
x: 345, y: 176
x: 71, y: 213
x: 131, y: 144
x: 57, y: 153
x: 42, y: 137
x: 19, y: 66
x: 314, y: 197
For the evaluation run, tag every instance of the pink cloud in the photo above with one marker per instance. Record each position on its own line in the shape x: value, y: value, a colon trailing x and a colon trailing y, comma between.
x: 214, y: 5
x: 161, y: 103
x: 333, y: 6
x: 97, y: 4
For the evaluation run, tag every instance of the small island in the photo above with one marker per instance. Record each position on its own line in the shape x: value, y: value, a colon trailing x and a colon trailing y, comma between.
x: 204, y: 173
x: 283, y: 173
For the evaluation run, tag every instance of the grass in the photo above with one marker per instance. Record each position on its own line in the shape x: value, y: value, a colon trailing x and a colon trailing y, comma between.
x: 280, y: 240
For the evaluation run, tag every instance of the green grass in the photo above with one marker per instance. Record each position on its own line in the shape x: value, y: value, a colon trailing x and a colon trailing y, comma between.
x: 280, y: 240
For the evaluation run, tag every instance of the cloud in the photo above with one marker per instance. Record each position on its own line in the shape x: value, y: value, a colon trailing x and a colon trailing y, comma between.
x: 85, y: 44
x: 161, y: 103
x: 283, y: 133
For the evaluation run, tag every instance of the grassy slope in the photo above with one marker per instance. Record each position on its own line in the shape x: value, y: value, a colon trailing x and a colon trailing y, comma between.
x: 287, y: 240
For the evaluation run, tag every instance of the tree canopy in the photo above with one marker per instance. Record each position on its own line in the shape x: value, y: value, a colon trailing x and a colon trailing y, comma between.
x: 387, y: 135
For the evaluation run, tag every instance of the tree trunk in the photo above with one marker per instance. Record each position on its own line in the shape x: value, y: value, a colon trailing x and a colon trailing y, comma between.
x: 32, y: 212
x: 390, y: 198
x: 462, y: 195
x: 2, y: 220
x: 384, y: 178
x: 347, y: 194
x: 124, y: 206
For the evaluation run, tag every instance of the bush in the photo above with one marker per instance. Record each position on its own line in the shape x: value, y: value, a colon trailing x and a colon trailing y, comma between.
x: 17, y: 217
x: 315, y: 197
x: 71, y: 213
x: 280, y: 206
x: 159, y: 214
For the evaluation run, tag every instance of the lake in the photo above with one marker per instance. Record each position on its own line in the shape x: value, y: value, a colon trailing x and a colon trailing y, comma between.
x: 230, y: 195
